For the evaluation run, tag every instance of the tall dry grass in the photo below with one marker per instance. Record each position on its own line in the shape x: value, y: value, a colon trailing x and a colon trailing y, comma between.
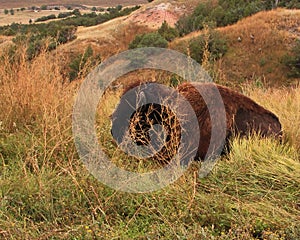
x: 32, y: 90
x: 45, y: 191
x: 36, y: 107
x: 285, y: 103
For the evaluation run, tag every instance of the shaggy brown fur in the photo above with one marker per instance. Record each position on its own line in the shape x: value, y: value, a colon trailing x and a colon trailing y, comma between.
x: 243, y: 117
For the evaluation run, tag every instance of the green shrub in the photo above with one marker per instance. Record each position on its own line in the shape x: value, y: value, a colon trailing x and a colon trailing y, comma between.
x: 76, y: 12
x: 167, y: 32
x: 64, y: 14
x: 215, y: 43
x: 149, y: 40
x: 196, y: 21
x: 45, y: 18
x: 82, y: 63
x: 290, y: 4
x: 221, y: 14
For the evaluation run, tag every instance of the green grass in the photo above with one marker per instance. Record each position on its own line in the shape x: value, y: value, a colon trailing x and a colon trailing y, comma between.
x: 253, y: 192
x: 47, y: 193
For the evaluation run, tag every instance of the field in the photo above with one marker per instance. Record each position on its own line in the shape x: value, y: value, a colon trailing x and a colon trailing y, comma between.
x: 102, y: 3
x: 25, y: 16
x: 46, y: 192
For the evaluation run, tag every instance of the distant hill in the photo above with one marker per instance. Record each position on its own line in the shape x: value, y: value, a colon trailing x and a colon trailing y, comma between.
x: 104, y: 3
x: 255, y: 60
x: 246, y: 61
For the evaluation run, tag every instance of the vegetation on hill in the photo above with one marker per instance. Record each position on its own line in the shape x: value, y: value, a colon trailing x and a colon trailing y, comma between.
x: 148, y: 40
x: 81, y: 64
x: 58, y: 32
x: 45, y: 18
x: 46, y: 191
x: 261, y: 48
x: 292, y: 61
x: 159, y: 38
x: 225, y: 12
x: 208, y: 46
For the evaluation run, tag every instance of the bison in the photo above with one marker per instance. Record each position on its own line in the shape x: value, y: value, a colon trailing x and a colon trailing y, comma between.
x: 135, y: 115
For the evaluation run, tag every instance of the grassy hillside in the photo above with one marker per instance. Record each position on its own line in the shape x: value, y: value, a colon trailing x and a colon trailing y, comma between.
x: 47, y: 193
x: 259, y: 60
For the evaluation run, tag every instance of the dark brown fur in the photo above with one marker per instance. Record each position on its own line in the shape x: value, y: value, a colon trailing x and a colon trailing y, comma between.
x: 243, y: 117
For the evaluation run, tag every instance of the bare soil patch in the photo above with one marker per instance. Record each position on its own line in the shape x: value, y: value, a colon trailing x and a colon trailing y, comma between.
x: 154, y: 16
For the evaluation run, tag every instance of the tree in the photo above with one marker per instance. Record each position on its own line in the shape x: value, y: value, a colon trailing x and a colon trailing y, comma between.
x: 167, y: 32
x: 119, y: 7
x: 12, y: 12
x: 212, y: 42
x: 149, y: 40
x: 6, y: 11
x: 76, y: 12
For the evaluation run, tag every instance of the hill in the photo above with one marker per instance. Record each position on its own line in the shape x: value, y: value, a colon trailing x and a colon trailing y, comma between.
x: 259, y: 58
x: 247, y: 60
x: 115, y: 35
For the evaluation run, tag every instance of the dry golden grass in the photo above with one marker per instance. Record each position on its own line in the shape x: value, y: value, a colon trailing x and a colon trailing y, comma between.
x: 259, y: 60
x: 106, y: 39
x: 23, y: 17
x: 32, y: 91
x: 285, y: 103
